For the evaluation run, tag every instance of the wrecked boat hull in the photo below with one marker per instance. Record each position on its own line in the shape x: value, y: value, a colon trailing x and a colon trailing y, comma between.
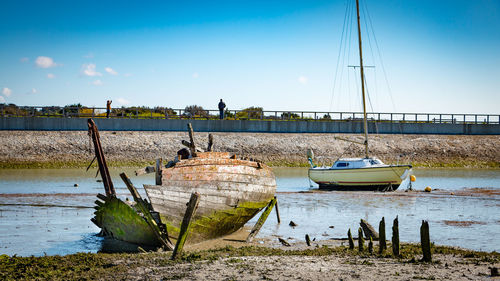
x: 232, y: 192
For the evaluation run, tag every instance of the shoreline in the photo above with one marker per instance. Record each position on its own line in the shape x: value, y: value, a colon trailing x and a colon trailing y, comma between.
x: 72, y: 149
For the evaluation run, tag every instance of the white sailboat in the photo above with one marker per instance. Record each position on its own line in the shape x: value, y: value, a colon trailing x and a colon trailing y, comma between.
x: 368, y: 173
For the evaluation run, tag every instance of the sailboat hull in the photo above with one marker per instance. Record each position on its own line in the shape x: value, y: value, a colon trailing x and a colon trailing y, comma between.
x: 368, y: 178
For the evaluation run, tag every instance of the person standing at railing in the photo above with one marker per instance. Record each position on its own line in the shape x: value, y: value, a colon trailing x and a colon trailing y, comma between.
x: 222, y: 106
x: 108, y: 108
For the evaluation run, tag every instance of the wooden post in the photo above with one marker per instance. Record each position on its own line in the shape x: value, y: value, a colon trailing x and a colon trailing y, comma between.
x: 186, y: 223
x: 361, y: 240
x: 101, y: 160
x: 395, y: 237
x: 351, y: 241
x: 159, y: 169
x: 368, y: 230
x: 210, y: 142
x: 425, y: 241
x: 162, y: 237
x: 381, y: 239
x: 370, y: 245
x: 256, y: 228
x: 277, y: 210
x: 192, y: 147
x: 308, y: 240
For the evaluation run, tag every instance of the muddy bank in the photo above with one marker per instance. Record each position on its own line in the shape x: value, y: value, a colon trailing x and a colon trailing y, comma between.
x: 72, y: 148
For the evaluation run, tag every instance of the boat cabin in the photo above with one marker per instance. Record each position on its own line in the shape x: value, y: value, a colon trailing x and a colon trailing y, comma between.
x: 356, y: 163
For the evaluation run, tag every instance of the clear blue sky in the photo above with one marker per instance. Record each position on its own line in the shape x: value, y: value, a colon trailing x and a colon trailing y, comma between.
x: 439, y: 56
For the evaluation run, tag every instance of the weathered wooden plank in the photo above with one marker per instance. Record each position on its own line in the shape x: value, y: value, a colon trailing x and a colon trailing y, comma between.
x: 210, y: 142
x: 159, y: 170
x: 216, y: 178
x: 192, y: 146
x: 147, y: 215
x: 395, y: 237
x: 256, y: 228
x: 382, y: 238
x: 368, y: 230
x: 186, y: 223
x: 425, y: 241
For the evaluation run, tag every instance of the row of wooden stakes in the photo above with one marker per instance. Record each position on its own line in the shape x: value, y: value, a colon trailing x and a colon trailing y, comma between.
x: 371, y: 234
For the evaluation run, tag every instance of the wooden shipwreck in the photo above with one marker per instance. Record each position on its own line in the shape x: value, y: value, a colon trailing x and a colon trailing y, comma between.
x: 231, y: 191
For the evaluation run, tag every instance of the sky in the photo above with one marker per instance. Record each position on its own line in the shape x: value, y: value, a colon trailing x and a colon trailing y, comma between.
x: 426, y: 56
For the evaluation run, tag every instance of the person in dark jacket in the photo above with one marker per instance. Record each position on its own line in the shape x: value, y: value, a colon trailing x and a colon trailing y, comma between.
x: 222, y: 106
x: 108, y: 108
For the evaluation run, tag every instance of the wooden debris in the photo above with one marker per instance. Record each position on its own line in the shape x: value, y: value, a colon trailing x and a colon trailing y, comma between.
x: 292, y: 224
x: 277, y: 210
x: 102, y: 197
x: 370, y: 245
x: 308, y: 240
x: 382, y: 239
x: 159, y: 166
x: 186, y: 223
x: 351, y: 241
x: 395, y: 237
x: 143, y: 171
x: 361, y: 240
x: 258, y: 225
x: 162, y: 237
x: 101, y: 160
x: 188, y: 144
x: 192, y: 146
x: 369, y: 230
x: 99, y: 203
x: 283, y: 241
x: 425, y: 241
x: 331, y: 226
x: 210, y: 142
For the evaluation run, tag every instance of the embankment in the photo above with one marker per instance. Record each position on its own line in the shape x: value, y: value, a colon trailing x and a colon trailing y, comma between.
x: 31, y: 149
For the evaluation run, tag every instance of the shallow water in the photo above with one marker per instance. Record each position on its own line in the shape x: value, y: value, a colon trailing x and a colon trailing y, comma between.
x: 42, y: 212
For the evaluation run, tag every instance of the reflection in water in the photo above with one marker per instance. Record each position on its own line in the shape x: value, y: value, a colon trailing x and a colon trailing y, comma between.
x: 41, y: 212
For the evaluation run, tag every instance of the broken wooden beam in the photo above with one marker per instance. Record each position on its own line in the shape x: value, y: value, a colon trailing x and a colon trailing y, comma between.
x: 159, y: 169
x: 395, y: 237
x: 102, y: 197
x: 186, y: 223
x: 210, y: 142
x: 162, y: 237
x: 361, y: 240
x: 351, y: 241
x: 258, y: 225
x: 425, y: 241
x: 101, y: 160
x: 382, y: 239
x: 308, y: 240
x: 192, y: 147
x: 277, y: 210
x: 368, y: 230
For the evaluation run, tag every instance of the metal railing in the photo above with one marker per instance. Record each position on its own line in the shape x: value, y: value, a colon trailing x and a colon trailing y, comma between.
x: 168, y: 113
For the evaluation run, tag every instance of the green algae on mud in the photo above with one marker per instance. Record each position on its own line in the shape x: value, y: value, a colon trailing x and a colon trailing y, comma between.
x: 85, y: 266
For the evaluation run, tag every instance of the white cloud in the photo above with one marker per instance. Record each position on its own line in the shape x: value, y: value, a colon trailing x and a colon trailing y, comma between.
x: 89, y: 70
x: 97, y: 82
x: 195, y: 75
x: 302, y: 79
x: 33, y: 91
x: 24, y: 59
x: 111, y: 71
x: 45, y: 62
x: 123, y: 101
x: 6, y: 92
x: 51, y: 76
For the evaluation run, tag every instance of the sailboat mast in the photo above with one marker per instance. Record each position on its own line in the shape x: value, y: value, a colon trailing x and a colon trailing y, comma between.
x: 365, y: 122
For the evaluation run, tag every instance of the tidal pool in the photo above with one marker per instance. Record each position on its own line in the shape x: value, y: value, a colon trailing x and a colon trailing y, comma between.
x: 43, y: 212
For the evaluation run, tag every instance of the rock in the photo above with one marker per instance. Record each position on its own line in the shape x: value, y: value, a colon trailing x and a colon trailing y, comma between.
x: 75, y: 185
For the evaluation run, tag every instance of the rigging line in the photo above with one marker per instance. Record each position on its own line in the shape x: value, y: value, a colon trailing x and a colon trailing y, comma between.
x: 338, y: 58
x: 347, y: 48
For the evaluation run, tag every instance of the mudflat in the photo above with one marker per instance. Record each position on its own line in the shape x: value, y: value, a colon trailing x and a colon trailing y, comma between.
x: 27, y: 149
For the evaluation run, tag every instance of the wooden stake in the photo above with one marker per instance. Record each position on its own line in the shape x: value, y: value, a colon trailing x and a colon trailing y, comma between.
x: 210, y: 142
x: 186, y: 223
x: 308, y: 240
x: 382, y: 239
x: 163, y: 238
x: 361, y: 240
x: 351, y: 241
x: 368, y: 230
x: 370, y: 245
x: 101, y: 160
x: 256, y: 228
x: 395, y: 237
x: 425, y: 241
x: 159, y: 170
x: 192, y: 147
x: 277, y: 210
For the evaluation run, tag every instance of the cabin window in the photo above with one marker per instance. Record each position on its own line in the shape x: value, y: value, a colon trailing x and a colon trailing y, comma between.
x: 342, y: 164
